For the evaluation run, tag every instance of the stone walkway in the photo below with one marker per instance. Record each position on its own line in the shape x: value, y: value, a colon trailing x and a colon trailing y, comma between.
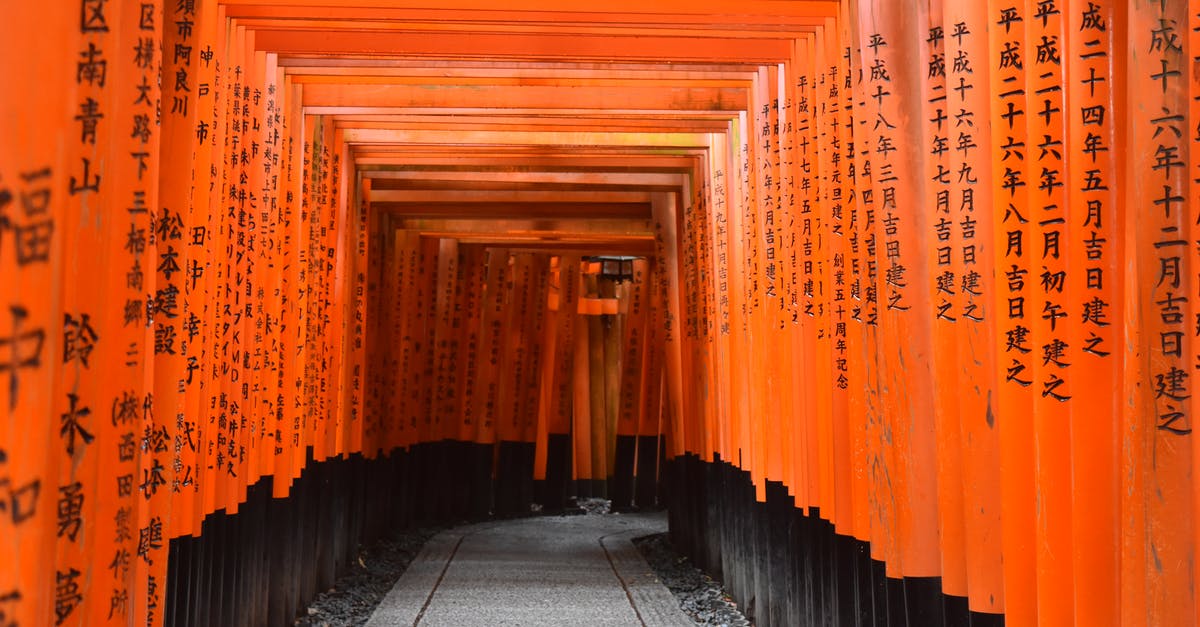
x: 552, y: 571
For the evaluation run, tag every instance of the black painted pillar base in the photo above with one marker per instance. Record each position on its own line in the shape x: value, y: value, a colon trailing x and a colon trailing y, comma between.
x: 551, y: 493
x: 788, y: 567
x: 620, y: 480
x: 646, y: 483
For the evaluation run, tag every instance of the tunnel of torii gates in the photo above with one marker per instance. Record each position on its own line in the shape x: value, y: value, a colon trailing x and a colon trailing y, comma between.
x: 893, y: 304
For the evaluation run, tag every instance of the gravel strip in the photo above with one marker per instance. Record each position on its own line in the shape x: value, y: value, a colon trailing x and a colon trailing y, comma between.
x: 700, y: 597
x: 357, y: 593
x: 703, y: 599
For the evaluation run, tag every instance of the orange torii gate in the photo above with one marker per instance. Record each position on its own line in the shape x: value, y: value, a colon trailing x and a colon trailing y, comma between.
x: 886, y: 252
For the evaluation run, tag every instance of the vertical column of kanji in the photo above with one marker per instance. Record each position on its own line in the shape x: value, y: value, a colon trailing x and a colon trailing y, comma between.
x: 385, y: 253
x: 345, y: 232
x: 213, y: 237
x: 461, y: 313
x: 194, y: 334
x: 787, y: 304
x: 718, y: 271
x: 717, y: 394
x: 89, y: 323
x: 538, y: 324
x: 471, y: 288
x: 804, y: 232
x: 374, y: 337
x: 738, y: 280
x: 414, y: 300
x: 774, y: 418
x: 861, y: 407
x: 273, y: 300
x: 357, y: 328
x: 325, y: 308
x: 633, y: 357
x: 1194, y: 203
x: 407, y: 242
x: 261, y: 273
x: 37, y: 119
x: 513, y: 329
x: 443, y: 306
x: 130, y: 114
x: 698, y: 188
x: 545, y: 374
x: 742, y: 430
x: 1156, y: 487
x: 1014, y: 398
x: 171, y: 308
x: 694, y: 364
x: 370, y: 375
x: 947, y: 128
x: 393, y: 321
x: 372, y: 321
x: 474, y: 263
x: 294, y: 242
x: 395, y: 275
x: 258, y: 272
x: 427, y: 349
x: 754, y: 215
x: 1048, y: 308
x: 879, y: 455
x: 786, y: 310
x: 849, y: 369
x: 429, y: 268
x: 198, y: 329
x: 483, y: 407
x: 233, y: 283
x: 272, y: 290
x: 742, y: 282
x: 842, y: 312
x: 905, y: 320
x: 637, y: 332
x: 314, y: 273
x: 335, y: 302
x: 829, y: 154
x: 973, y: 256
x: 381, y: 337
x: 663, y: 209
x: 651, y: 380
x: 400, y: 342
x: 351, y: 241
x: 322, y: 375
x: 651, y: 387
x: 559, y: 412
x: 1093, y: 281
x: 387, y: 328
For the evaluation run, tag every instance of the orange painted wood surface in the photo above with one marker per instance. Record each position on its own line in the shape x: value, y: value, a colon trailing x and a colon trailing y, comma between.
x: 929, y: 265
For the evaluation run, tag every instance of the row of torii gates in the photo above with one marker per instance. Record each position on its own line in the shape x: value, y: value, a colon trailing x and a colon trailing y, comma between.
x: 891, y: 303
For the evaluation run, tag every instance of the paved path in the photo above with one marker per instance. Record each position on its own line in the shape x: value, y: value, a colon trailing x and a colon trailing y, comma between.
x: 552, y: 571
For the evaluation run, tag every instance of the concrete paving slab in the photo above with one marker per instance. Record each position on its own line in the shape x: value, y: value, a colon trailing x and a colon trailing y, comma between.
x: 547, y: 571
